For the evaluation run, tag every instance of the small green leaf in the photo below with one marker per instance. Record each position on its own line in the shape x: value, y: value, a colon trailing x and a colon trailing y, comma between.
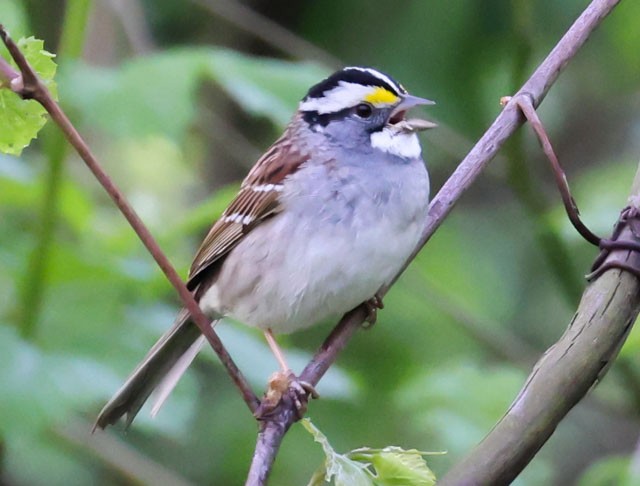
x: 395, y: 466
x: 337, y: 467
x: 21, y: 120
x: 41, y: 61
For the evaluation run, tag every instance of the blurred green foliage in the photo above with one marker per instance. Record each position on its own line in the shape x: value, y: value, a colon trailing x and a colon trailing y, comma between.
x: 176, y: 101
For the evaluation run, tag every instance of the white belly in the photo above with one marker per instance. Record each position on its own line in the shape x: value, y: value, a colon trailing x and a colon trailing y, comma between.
x: 323, y: 258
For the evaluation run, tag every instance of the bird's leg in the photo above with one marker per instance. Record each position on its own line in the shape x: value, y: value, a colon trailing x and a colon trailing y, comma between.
x: 284, y: 385
x: 371, y: 306
x: 277, y: 352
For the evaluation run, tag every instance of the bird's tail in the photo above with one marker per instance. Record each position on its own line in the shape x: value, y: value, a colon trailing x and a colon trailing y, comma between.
x: 159, y: 371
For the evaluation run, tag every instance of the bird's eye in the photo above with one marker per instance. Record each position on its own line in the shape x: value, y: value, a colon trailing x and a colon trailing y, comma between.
x: 364, y: 110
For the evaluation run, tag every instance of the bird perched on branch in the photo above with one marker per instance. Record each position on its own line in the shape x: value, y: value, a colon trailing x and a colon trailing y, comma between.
x: 326, y: 217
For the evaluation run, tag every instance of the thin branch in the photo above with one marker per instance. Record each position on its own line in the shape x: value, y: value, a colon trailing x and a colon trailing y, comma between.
x: 31, y: 87
x: 524, y: 103
x: 469, y: 169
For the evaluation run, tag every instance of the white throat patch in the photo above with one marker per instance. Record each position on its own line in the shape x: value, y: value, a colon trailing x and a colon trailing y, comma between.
x: 395, y: 142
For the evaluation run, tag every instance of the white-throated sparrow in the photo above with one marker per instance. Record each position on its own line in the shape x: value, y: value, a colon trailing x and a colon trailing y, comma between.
x: 327, y: 216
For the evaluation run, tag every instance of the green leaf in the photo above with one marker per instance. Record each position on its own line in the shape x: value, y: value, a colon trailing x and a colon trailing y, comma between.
x: 21, y: 120
x: 395, y: 466
x: 337, y: 467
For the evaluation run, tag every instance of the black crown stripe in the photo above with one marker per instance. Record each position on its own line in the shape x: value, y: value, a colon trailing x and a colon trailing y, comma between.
x: 355, y: 76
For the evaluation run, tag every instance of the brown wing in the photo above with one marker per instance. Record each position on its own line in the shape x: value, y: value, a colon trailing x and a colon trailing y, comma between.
x: 257, y: 200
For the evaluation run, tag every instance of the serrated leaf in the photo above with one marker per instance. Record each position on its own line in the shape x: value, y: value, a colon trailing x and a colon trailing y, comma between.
x: 395, y: 466
x: 41, y: 60
x: 21, y: 120
x: 337, y: 467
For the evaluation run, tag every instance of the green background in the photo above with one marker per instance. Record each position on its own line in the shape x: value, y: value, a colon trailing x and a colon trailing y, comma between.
x: 178, y: 102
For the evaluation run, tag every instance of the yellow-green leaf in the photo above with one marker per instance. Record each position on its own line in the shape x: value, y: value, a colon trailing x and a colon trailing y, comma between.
x: 21, y: 120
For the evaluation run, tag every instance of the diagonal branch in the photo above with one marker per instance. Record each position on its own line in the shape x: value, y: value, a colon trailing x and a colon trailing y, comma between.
x: 536, y: 87
x: 27, y: 85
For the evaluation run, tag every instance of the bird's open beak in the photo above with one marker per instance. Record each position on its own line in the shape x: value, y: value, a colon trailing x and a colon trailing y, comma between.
x: 414, y: 124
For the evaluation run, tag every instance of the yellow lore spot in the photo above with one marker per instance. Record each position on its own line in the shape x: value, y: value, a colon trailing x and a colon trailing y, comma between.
x: 381, y: 96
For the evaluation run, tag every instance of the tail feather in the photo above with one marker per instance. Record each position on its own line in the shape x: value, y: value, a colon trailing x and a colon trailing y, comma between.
x: 170, y: 380
x: 161, y: 360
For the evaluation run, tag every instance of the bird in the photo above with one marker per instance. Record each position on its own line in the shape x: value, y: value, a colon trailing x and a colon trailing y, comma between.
x: 325, y: 218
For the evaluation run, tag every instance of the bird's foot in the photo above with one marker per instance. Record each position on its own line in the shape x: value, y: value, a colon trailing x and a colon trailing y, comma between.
x: 371, y: 306
x: 284, y: 389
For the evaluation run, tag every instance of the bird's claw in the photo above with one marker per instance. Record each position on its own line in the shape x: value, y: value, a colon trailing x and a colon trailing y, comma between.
x: 285, y: 388
x: 371, y: 306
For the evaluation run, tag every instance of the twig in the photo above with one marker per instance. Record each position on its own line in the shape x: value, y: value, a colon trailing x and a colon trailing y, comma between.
x: 27, y: 85
x: 524, y: 103
x: 482, y: 153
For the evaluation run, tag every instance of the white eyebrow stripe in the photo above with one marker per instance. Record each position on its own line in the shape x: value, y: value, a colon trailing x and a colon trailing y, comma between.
x: 345, y: 95
x: 266, y: 188
x: 238, y: 218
